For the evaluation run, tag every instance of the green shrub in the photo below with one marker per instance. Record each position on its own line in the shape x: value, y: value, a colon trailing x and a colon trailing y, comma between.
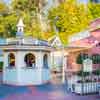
x: 96, y: 72
x: 81, y: 57
x: 84, y: 74
x: 96, y: 58
x: 1, y: 65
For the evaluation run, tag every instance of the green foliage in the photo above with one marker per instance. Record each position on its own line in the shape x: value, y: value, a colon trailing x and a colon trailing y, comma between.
x: 26, y: 6
x: 1, y: 65
x: 7, y: 21
x: 73, y: 18
x: 80, y: 58
x: 96, y: 72
x: 8, y: 25
x: 84, y: 74
x: 28, y: 10
x: 19, y: 8
x: 94, y: 10
x: 70, y: 18
x: 3, y: 8
x: 96, y: 59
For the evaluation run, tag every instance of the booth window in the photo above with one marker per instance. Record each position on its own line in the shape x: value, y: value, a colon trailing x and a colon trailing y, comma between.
x: 30, y: 60
x: 45, y: 61
x: 11, y: 60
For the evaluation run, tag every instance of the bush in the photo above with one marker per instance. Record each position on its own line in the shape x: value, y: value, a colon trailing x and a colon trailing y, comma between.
x: 1, y: 65
x: 96, y: 72
x: 84, y: 74
x: 81, y: 57
x: 96, y: 58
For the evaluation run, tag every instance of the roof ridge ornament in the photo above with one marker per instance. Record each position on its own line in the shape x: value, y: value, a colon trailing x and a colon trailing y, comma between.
x: 20, y: 28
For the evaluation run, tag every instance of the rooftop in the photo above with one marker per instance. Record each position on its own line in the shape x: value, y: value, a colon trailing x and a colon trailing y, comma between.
x: 27, y: 41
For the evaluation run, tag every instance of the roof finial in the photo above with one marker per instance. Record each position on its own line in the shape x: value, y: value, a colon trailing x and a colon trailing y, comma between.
x: 20, y: 28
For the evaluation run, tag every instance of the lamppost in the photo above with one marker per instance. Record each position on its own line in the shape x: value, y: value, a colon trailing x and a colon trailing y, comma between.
x: 87, y: 68
x: 62, y: 47
x: 55, y: 27
x: 82, y: 73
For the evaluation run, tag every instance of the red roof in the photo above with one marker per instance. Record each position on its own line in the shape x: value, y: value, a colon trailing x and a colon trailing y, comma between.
x: 90, y: 41
x: 93, y: 39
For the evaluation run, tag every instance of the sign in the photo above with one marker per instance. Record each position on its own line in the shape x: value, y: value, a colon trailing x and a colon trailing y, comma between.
x: 87, y: 65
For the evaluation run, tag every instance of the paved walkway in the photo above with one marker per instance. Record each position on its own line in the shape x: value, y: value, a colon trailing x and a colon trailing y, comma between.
x: 0, y: 77
x: 43, y: 92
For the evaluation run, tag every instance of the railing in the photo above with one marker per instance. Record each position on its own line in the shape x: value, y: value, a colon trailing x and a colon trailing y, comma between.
x: 29, y: 67
x: 10, y: 67
x: 25, y: 67
x: 87, y: 88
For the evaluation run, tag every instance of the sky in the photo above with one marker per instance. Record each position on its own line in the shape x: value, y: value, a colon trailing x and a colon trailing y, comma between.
x: 50, y: 1
x: 7, y: 1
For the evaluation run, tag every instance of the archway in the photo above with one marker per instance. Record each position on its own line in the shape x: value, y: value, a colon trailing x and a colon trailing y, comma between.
x: 11, y: 60
x: 30, y: 60
x: 45, y: 61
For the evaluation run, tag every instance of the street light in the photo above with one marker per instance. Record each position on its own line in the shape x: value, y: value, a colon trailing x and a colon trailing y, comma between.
x: 82, y: 73
x: 62, y: 47
x: 55, y: 27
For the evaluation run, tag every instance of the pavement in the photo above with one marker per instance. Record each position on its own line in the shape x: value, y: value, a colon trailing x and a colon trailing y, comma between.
x: 50, y: 91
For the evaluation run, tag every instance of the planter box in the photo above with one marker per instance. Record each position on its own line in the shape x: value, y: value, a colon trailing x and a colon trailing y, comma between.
x: 86, y: 88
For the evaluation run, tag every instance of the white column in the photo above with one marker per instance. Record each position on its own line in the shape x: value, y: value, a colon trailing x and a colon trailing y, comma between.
x: 52, y: 60
x: 19, y: 64
x: 39, y: 65
x: 19, y: 59
x: 64, y: 66
x: 39, y: 60
x: 5, y: 60
x: 49, y: 60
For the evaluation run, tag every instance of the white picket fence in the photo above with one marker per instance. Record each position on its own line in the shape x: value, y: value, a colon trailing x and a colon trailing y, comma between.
x: 86, y: 88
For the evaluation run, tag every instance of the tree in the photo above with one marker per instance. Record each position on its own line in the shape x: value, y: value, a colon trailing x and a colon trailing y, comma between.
x: 9, y: 16
x: 6, y: 21
x: 94, y: 10
x: 29, y: 11
x: 70, y: 19
x: 3, y: 8
x: 26, y: 6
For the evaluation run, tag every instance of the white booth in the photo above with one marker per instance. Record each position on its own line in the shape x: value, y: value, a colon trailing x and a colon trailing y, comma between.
x: 26, y: 60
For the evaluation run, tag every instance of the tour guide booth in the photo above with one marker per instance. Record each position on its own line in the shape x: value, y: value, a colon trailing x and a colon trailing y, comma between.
x: 26, y: 60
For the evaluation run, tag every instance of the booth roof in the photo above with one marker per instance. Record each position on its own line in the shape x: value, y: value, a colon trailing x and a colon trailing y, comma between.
x: 26, y: 41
